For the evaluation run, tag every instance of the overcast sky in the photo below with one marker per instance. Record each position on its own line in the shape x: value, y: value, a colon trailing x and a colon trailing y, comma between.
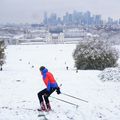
x: 31, y: 11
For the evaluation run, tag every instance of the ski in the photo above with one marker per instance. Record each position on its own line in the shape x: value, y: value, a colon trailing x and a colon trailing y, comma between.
x: 74, y: 97
x: 66, y: 101
x: 41, y: 114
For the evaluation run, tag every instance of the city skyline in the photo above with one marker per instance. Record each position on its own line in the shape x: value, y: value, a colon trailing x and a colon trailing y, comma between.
x: 32, y: 11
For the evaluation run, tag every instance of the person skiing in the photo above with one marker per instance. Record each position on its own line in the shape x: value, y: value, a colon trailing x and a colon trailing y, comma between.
x: 51, y: 86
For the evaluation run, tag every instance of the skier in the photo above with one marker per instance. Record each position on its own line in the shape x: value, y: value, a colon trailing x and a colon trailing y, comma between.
x: 66, y: 67
x: 51, y: 85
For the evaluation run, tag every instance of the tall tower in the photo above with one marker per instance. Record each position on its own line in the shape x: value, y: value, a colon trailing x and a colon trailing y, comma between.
x: 45, y: 20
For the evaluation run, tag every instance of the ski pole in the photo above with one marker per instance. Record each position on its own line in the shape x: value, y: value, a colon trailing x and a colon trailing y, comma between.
x: 66, y: 101
x: 75, y: 97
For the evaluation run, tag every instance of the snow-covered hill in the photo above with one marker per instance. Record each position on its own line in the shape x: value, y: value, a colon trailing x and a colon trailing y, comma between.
x: 20, y: 81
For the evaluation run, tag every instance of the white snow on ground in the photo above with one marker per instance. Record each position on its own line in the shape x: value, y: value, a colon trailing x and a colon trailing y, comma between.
x: 20, y: 81
x: 110, y: 74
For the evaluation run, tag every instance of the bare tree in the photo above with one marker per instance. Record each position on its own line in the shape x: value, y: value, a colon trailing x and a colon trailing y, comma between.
x: 2, y: 54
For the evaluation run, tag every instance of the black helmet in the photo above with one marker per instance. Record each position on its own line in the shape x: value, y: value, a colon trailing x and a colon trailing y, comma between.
x: 42, y: 68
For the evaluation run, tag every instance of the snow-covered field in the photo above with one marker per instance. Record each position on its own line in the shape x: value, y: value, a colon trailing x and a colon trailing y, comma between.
x: 20, y: 81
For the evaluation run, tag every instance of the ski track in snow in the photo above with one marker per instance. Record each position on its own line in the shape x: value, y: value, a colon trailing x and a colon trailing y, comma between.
x: 20, y: 81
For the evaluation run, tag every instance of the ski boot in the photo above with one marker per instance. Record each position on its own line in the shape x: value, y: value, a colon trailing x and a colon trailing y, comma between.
x: 43, y: 108
x: 48, y: 107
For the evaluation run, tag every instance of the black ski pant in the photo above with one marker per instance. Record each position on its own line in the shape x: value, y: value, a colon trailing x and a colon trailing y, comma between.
x: 44, y: 94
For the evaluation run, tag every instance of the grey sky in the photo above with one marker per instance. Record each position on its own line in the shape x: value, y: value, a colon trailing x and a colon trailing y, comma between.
x: 23, y: 11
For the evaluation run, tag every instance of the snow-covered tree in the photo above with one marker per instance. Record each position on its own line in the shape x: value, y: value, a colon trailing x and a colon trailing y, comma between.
x: 94, y: 54
x: 2, y: 54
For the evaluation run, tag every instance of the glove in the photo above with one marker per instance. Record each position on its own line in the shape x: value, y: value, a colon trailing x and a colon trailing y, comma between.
x: 58, y: 90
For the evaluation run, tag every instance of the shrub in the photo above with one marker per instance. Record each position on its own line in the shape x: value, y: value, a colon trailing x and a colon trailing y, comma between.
x: 94, y: 54
x: 110, y: 74
x: 2, y: 54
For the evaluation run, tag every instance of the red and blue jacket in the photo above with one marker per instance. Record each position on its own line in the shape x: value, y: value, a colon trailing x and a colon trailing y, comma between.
x: 49, y: 79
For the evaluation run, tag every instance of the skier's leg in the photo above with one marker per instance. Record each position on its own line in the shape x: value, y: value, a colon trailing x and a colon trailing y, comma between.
x: 47, y: 102
x: 46, y: 97
x: 40, y: 96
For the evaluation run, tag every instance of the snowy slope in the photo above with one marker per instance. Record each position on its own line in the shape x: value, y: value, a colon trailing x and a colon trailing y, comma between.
x: 21, y: 81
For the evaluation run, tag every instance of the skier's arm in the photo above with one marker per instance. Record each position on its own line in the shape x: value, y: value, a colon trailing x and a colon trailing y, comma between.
x: 47, y: 83
x: 48, y: 86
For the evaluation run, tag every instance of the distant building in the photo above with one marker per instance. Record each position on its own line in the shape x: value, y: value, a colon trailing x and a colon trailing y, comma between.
x: 6, y: 39
x: 55, y: 29
x: 55, y: 38
x: 74, y: 33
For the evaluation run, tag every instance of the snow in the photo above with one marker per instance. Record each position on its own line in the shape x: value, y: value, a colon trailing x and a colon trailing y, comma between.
x: 20, y: 81
x: 110, y: 74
